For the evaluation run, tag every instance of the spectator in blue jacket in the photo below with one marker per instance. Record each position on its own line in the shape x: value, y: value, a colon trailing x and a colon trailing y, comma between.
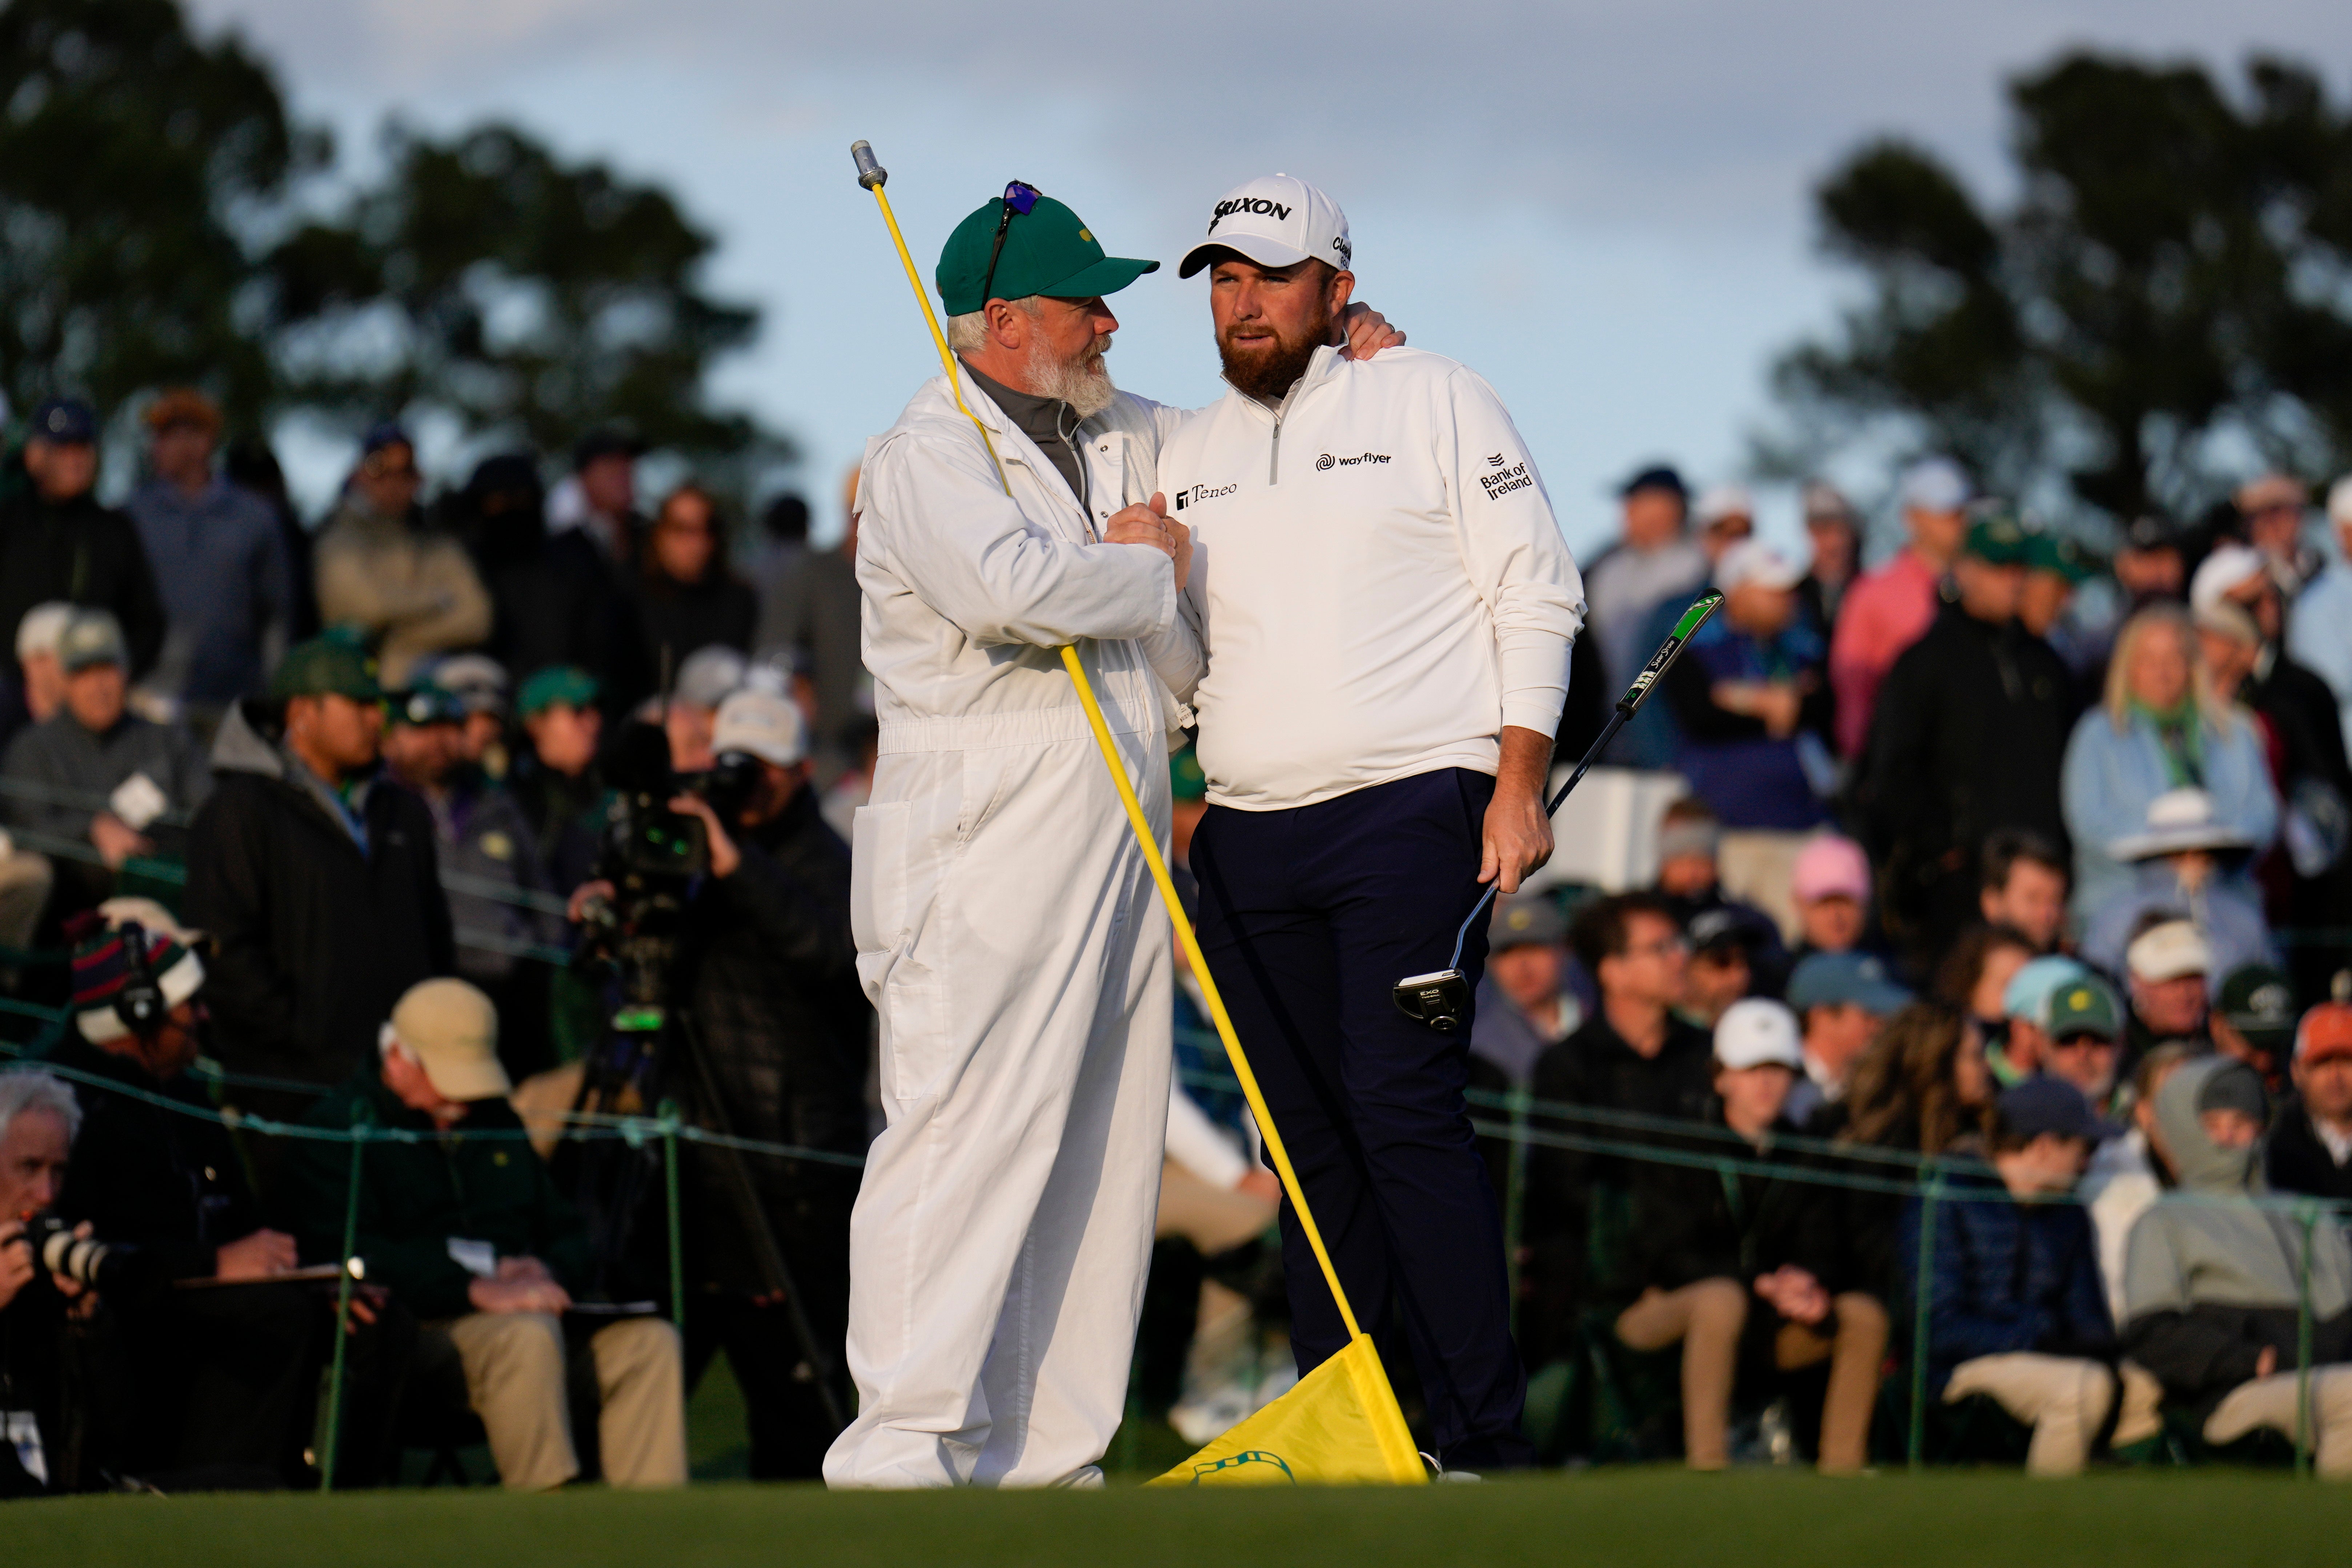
x: 2158, y: 729
x: 1751, y: 697
x: 2016, y: 1308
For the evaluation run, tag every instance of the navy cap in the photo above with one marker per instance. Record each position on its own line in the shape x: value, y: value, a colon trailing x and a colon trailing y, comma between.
x: 2051, y: 1105
x: 64, y: 419
x: 1657, y: 477
x: 382, y: 434
x: 1835, y: 979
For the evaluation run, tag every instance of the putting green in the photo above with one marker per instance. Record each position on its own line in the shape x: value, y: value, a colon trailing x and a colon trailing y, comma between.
x: 1623, y: 1519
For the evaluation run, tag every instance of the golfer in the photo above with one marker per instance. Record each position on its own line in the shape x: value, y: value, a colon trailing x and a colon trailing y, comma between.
x: 1007, y: 930
x: 1386, y: 607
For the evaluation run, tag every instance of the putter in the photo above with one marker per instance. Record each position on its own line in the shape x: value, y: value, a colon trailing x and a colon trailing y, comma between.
x: 1442, y: 998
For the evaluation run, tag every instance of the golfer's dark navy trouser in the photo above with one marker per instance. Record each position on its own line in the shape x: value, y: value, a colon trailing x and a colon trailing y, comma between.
x: 1309, y: 919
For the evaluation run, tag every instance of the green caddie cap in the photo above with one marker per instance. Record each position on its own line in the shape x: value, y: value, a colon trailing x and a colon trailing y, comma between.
x: 326, y: 667
x: 2061, y: 555
x: 564, y: 683
x: 2085, y: 1006
x: 1046, y: 251
x: 1997, y: 537
x: 1185, y: 779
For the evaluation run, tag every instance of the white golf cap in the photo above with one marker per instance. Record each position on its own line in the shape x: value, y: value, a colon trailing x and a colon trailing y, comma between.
x: 1757, y: 562
x: 2223, y: 572
x: 1276, y: 220
x: 1935, y: 485
x: 1718, y: 501
x: 1757, y: 1032
x: 43, y: 625
x: 764, y: 724
x: 2168, y: 952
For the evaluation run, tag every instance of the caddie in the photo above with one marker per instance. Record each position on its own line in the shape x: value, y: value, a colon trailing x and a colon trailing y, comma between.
x: 1007, y: 930
x: 1386, y: 607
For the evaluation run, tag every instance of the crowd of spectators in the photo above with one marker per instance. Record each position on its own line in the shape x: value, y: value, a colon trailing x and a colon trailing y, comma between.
x: 1980, y: 979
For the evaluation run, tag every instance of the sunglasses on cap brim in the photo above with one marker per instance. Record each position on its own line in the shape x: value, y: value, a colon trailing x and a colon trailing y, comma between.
x: 1019, y: 197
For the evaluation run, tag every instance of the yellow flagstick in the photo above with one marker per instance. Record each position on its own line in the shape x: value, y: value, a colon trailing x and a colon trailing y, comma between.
x: 1357, y: 1369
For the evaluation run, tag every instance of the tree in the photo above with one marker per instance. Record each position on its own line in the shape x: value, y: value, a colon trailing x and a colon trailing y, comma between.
x: 135, y: 164
x: 2170, y: 296
x: 527, y: 298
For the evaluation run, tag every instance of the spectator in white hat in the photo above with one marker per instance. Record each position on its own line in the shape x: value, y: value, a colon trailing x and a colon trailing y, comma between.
x: 2165, y: 968
x: 1891, y: 608
x: 1834, y: 529
x: 2270, y: 515
x: 2182, y: 861
x: 41, y: 681
x: 2316, y: 633
x: 1750, y: 1261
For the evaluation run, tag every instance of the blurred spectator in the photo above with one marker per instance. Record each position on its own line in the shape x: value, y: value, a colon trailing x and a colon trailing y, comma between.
x: 481, y: 835
x: 2310, y: 1151
x: 223, y: 1381
x: 1843, y: 999
x: 1652, y: 562
x: 1690, y: 879
x: 557, y: 781
x: 560, y: 599
x: 687, y: 596
x: 317, y: 884
x: 1970, y: 732
x: 480, y: 684
x: 810, y: 609
x: 2149, y: 564
x: 253, y: 468
x: 784, y: 539
x: 1830, y: 885
x: 1748, y: 695
x: 2016, y: 1310
x: 2122, y: 1184
x: 604, y: 478
x: 471, y: 1233
x: 2253, y: 1020
x: 38, y: 1119
x: 2315, y: 632
x: 1723, y: 964
x: 2083, y: 1028
x: 409, y: 589
x: 1889, y: 609
x: 2056, y: 567
x: 2213, y: 1284
x: 1923, y: 1086
x: 2158, y: 729
x: 1524, y: 1006
x: 2166, y: 964
x: 2023, y: 1047
x: 1976, y: 972
x: 97, y: 774
x: 218, y: 560
x: 1835, y: 531
x: 58, y: 542
x: 1726, y: 516
x: 40, y: 685
x: 2181, y: 862
x: 1729, y: 1262
x: 2270, y: 518
x: 2022, y: 884
x: 770, y: 985
x: 705, y: 679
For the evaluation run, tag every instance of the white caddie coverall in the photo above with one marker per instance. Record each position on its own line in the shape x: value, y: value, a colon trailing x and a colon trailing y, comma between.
x: 1010, y: 937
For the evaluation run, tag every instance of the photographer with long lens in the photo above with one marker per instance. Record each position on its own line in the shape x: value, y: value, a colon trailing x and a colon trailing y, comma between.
x: 773, y: 1046
x: 38, y: 1118
x: 205, y: 1358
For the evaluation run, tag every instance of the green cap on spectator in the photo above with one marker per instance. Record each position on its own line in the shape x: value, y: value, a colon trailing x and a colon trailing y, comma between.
x: 1185, y: 778
x: 91, y: 638
x: 1997, y: 537
x: 564, y: 683
x: 2086, y: 1007
x: 2258, y: 1001
x: 326, y: 667
x: 2059, y: 554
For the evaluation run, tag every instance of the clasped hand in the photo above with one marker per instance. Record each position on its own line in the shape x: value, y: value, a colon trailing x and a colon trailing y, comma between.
x: 1148, y: 523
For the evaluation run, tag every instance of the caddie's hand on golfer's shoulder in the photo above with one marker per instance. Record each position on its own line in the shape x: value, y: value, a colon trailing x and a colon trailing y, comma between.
x: 1368, y: 331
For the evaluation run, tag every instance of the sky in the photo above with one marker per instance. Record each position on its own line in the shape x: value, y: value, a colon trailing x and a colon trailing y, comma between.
x: 1604, y: 208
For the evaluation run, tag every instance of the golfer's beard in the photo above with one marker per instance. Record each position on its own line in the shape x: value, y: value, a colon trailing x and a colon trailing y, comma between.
x: 1082, y: 381
x: 1268, y: 369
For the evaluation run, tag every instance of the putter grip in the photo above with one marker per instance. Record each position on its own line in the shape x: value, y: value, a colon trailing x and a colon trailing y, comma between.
x: 1703, y: 607
x: 870, y: 175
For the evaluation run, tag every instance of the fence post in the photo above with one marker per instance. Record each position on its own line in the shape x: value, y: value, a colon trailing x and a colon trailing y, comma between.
x: 2310, y: 1217
x: 676, y: 1250
x: 1515, y: 1192
x: 361, y: 1121
x: 1923, y: 1296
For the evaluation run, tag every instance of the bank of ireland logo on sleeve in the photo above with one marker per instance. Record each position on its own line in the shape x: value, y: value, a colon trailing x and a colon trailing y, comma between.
x: 1505, y: 478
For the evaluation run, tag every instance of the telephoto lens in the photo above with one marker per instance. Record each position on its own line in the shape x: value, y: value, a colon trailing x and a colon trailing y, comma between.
x: 84, y: 1259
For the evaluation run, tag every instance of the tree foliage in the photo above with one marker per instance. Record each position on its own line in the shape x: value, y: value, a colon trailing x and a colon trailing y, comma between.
x: 159, y: 223
x: 2168, y: 301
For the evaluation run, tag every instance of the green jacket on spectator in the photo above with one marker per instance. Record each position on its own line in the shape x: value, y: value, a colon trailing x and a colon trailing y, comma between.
x: 479, y: 1183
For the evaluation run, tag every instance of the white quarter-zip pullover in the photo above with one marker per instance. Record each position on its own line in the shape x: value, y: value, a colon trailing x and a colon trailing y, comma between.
x: 1381, y: 582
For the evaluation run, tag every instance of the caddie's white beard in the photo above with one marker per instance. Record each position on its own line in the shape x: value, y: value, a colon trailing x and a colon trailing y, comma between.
x: 1083, y: 381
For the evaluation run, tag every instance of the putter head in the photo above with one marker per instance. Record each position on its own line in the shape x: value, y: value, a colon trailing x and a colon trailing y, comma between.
x: 1440, y: 1000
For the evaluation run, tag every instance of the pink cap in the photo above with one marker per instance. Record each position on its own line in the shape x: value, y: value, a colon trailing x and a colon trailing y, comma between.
x: 1829, y: 867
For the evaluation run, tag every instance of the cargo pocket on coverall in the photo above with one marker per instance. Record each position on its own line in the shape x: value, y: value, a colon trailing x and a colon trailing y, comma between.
x: 889, y: 860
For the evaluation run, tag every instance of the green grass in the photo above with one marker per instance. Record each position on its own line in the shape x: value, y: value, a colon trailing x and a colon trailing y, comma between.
x: 1623, y: 1519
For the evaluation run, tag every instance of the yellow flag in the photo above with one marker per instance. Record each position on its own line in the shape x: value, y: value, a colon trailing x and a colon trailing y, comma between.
x: 1339, y: 1427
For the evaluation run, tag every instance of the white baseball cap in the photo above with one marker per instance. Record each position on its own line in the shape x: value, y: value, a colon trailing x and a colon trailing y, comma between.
x: 1935, y: 484
x: 2168, y: 952
x: 1275, y: 220
x: 2229, y: 568
x: 1719, y: 501
x: 1756, y: 1032
x: 1755, y: 561
x: 761, y: 724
